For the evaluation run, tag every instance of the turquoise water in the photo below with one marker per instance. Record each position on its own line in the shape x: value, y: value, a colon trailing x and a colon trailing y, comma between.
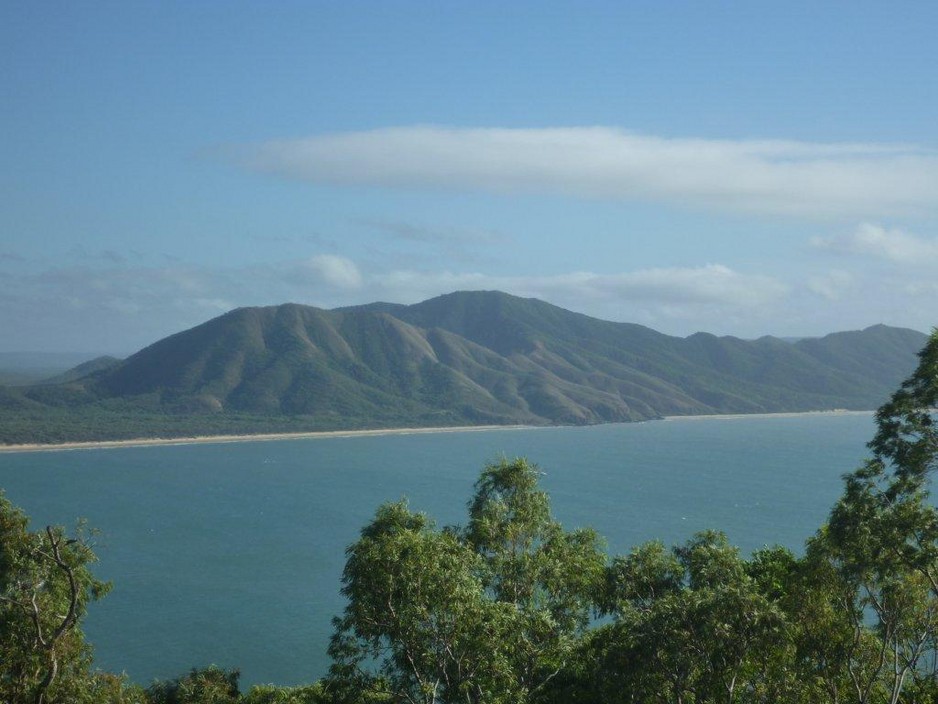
x: 232, y: 553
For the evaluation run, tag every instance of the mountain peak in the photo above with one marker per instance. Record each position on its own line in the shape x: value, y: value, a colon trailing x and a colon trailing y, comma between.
x: 473, y: 357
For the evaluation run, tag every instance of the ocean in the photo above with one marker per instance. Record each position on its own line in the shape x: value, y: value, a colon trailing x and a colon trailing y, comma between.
x: 232, y: 553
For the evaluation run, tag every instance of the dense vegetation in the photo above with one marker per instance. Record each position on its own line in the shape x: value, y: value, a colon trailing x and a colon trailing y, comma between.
x: 504, y: 608
x: 463, y: 359
x: 119, y: 420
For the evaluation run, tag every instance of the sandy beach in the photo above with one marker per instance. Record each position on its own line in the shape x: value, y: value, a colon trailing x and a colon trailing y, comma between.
x: 736, y: 416
x: 322, y: 434
x: 265, y: 437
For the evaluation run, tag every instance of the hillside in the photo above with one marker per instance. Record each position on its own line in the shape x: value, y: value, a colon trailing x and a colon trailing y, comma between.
x: 82, y: 370
x: 462, y: 358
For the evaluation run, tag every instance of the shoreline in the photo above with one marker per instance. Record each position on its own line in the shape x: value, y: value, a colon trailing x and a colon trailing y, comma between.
x: 780, y: 414
x: 326, y: 434
x: 260, y: 437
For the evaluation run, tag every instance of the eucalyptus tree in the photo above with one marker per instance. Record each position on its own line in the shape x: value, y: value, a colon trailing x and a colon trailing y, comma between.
x: 209, y: 685
x: 876, y: 560
x: 489, y: 613
x: 546, y: 577
x: 417, y: 627
x: 45, y: 589
x: 689, y: 625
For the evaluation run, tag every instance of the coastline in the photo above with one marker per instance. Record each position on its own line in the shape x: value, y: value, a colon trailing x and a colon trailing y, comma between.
x: 262, y: 437
x: 326, y: 434
x: 782, y: 414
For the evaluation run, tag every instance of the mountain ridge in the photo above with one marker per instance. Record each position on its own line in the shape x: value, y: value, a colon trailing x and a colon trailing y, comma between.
x: 470, y: 358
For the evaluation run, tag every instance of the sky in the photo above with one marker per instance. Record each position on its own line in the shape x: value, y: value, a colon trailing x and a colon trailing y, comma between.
x: 738, y: 168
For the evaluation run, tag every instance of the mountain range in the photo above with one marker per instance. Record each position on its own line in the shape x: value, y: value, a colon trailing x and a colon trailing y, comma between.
x: 481, y: 357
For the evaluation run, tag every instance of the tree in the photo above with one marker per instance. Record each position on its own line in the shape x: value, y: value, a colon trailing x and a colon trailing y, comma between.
x: 548, y: 577
x: 906, y: 435
x: 209, y: 685
x: 416, y: 609
x: 487, y: 614
x: 271, y: 694
x: 692, y: 625
x: 876, y: 560
x: 45, y: 588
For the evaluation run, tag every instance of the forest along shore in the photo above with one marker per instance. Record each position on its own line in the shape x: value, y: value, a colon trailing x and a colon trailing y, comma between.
x: 265, y: 437
x: 320, y: 434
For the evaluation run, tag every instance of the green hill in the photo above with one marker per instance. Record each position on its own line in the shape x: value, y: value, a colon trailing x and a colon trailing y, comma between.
x: 82, y: 370
x: 463, y: 358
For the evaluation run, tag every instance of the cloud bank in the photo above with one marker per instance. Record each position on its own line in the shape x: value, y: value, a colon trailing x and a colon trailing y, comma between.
x: 892, y: 245
x: 758, y: 176
x: 713, y: 284
x: 119, y: 309
x: 123, y: 308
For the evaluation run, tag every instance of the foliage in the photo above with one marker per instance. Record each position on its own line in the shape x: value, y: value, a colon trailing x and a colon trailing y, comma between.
x: 270, y: 694
x: 45, y: 588
x: 215, y: 685
x: 486, y: 614
x: 416, y: 607
x: 877, y: 559
x: 210, y: 685
x: 692, y: 624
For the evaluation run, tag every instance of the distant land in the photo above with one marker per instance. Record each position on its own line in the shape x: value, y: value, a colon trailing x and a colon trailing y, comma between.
x: 22, y: 368
x: 466, y: 358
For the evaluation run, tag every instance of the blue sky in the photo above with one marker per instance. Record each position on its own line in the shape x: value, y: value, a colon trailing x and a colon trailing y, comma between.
x: 739, y: 168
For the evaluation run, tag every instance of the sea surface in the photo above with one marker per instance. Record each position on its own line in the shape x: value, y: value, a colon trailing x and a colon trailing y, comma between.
x: 232, y: 553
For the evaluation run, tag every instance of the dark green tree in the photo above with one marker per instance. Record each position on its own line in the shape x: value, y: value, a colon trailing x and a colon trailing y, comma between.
x: 690, y: 625
x: 209, y: 685
x: 272, y: 694
x: 876, y: 560
x: 417, y: 627
x: 45, y: 589
x: 491, y: 613
x: 547, y: 577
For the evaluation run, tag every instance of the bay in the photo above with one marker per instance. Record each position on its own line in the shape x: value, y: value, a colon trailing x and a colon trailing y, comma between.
x: 232, y: 553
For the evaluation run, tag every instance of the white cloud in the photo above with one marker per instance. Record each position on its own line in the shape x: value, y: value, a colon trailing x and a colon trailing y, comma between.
x: 890, y: 244
x: 676, y: 300
x: 794, y: 178
x: 712, y: 284
x: 121, y: 309
x: 334, y: 270
x: 831, y: 286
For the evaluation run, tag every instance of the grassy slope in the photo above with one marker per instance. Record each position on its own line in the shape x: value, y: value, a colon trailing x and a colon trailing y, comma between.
x: 482, y: 357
